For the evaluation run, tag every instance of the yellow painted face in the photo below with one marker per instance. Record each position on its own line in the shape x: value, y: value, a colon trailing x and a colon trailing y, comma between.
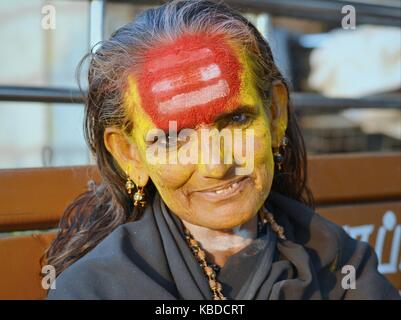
x: 212, y: 195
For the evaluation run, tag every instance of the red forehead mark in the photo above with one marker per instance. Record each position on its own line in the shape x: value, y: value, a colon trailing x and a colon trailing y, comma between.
x: 190, y: 81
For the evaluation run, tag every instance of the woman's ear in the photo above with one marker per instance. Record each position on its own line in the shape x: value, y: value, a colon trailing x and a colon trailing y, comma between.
x: 279, y: 112
x: 126, y: 154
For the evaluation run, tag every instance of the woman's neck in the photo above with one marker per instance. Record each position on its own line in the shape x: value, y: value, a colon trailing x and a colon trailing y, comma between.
x: 219, y: 245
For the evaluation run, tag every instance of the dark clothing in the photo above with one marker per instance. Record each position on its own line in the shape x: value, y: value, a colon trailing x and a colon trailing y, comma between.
x: 150, y: 259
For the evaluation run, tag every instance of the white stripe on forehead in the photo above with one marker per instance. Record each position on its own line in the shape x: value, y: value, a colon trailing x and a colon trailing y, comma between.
x: 202, y: 74
x: 210, y: 72
x: 174, y: 60
x: 169, y: 84
x: 191, y: 99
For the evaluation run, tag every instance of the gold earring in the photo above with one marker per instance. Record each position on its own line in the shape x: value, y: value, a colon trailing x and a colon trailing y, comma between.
x: 278, y: 157
x: 139, y: 195
x: 129, y: 185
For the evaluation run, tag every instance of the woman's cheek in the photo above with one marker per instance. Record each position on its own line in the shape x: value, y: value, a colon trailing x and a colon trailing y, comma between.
x: 263, y: 157
x: 170, y: 176
x: 262, y: 144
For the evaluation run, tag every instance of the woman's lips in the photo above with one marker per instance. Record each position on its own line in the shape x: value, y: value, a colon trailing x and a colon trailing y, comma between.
x: 224, y: 192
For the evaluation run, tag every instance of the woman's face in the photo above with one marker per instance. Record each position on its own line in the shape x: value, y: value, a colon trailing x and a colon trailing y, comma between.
x: 203, y: 87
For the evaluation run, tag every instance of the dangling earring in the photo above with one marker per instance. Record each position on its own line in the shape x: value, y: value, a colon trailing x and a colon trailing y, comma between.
x: 139, y: 195
x: 278, y: 157
x: 129, y: 185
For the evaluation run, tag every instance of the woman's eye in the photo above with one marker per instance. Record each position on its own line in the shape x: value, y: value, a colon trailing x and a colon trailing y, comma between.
x: 168, y: 142
x: 240, y: 118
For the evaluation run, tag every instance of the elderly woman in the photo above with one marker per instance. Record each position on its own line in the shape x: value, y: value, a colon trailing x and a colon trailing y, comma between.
x: 178, y: 218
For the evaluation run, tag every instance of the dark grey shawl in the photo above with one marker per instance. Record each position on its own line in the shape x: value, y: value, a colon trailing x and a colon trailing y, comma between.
x: 150, y: 259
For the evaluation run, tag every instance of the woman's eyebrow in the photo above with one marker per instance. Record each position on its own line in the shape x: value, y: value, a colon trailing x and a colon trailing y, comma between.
x: 239, y: 110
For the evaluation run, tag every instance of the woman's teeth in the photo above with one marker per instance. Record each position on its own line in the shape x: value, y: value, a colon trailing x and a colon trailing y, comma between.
x: 228, y: 189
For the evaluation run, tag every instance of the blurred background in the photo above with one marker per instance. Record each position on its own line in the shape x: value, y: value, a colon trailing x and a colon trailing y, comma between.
x: 346, y: 82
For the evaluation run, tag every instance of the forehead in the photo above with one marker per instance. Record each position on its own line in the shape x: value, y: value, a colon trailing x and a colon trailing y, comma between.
x: 190, y: 80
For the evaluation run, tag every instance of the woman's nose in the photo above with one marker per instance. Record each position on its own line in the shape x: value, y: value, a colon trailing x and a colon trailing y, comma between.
x: 215, y: 158
x: 217, y: 171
